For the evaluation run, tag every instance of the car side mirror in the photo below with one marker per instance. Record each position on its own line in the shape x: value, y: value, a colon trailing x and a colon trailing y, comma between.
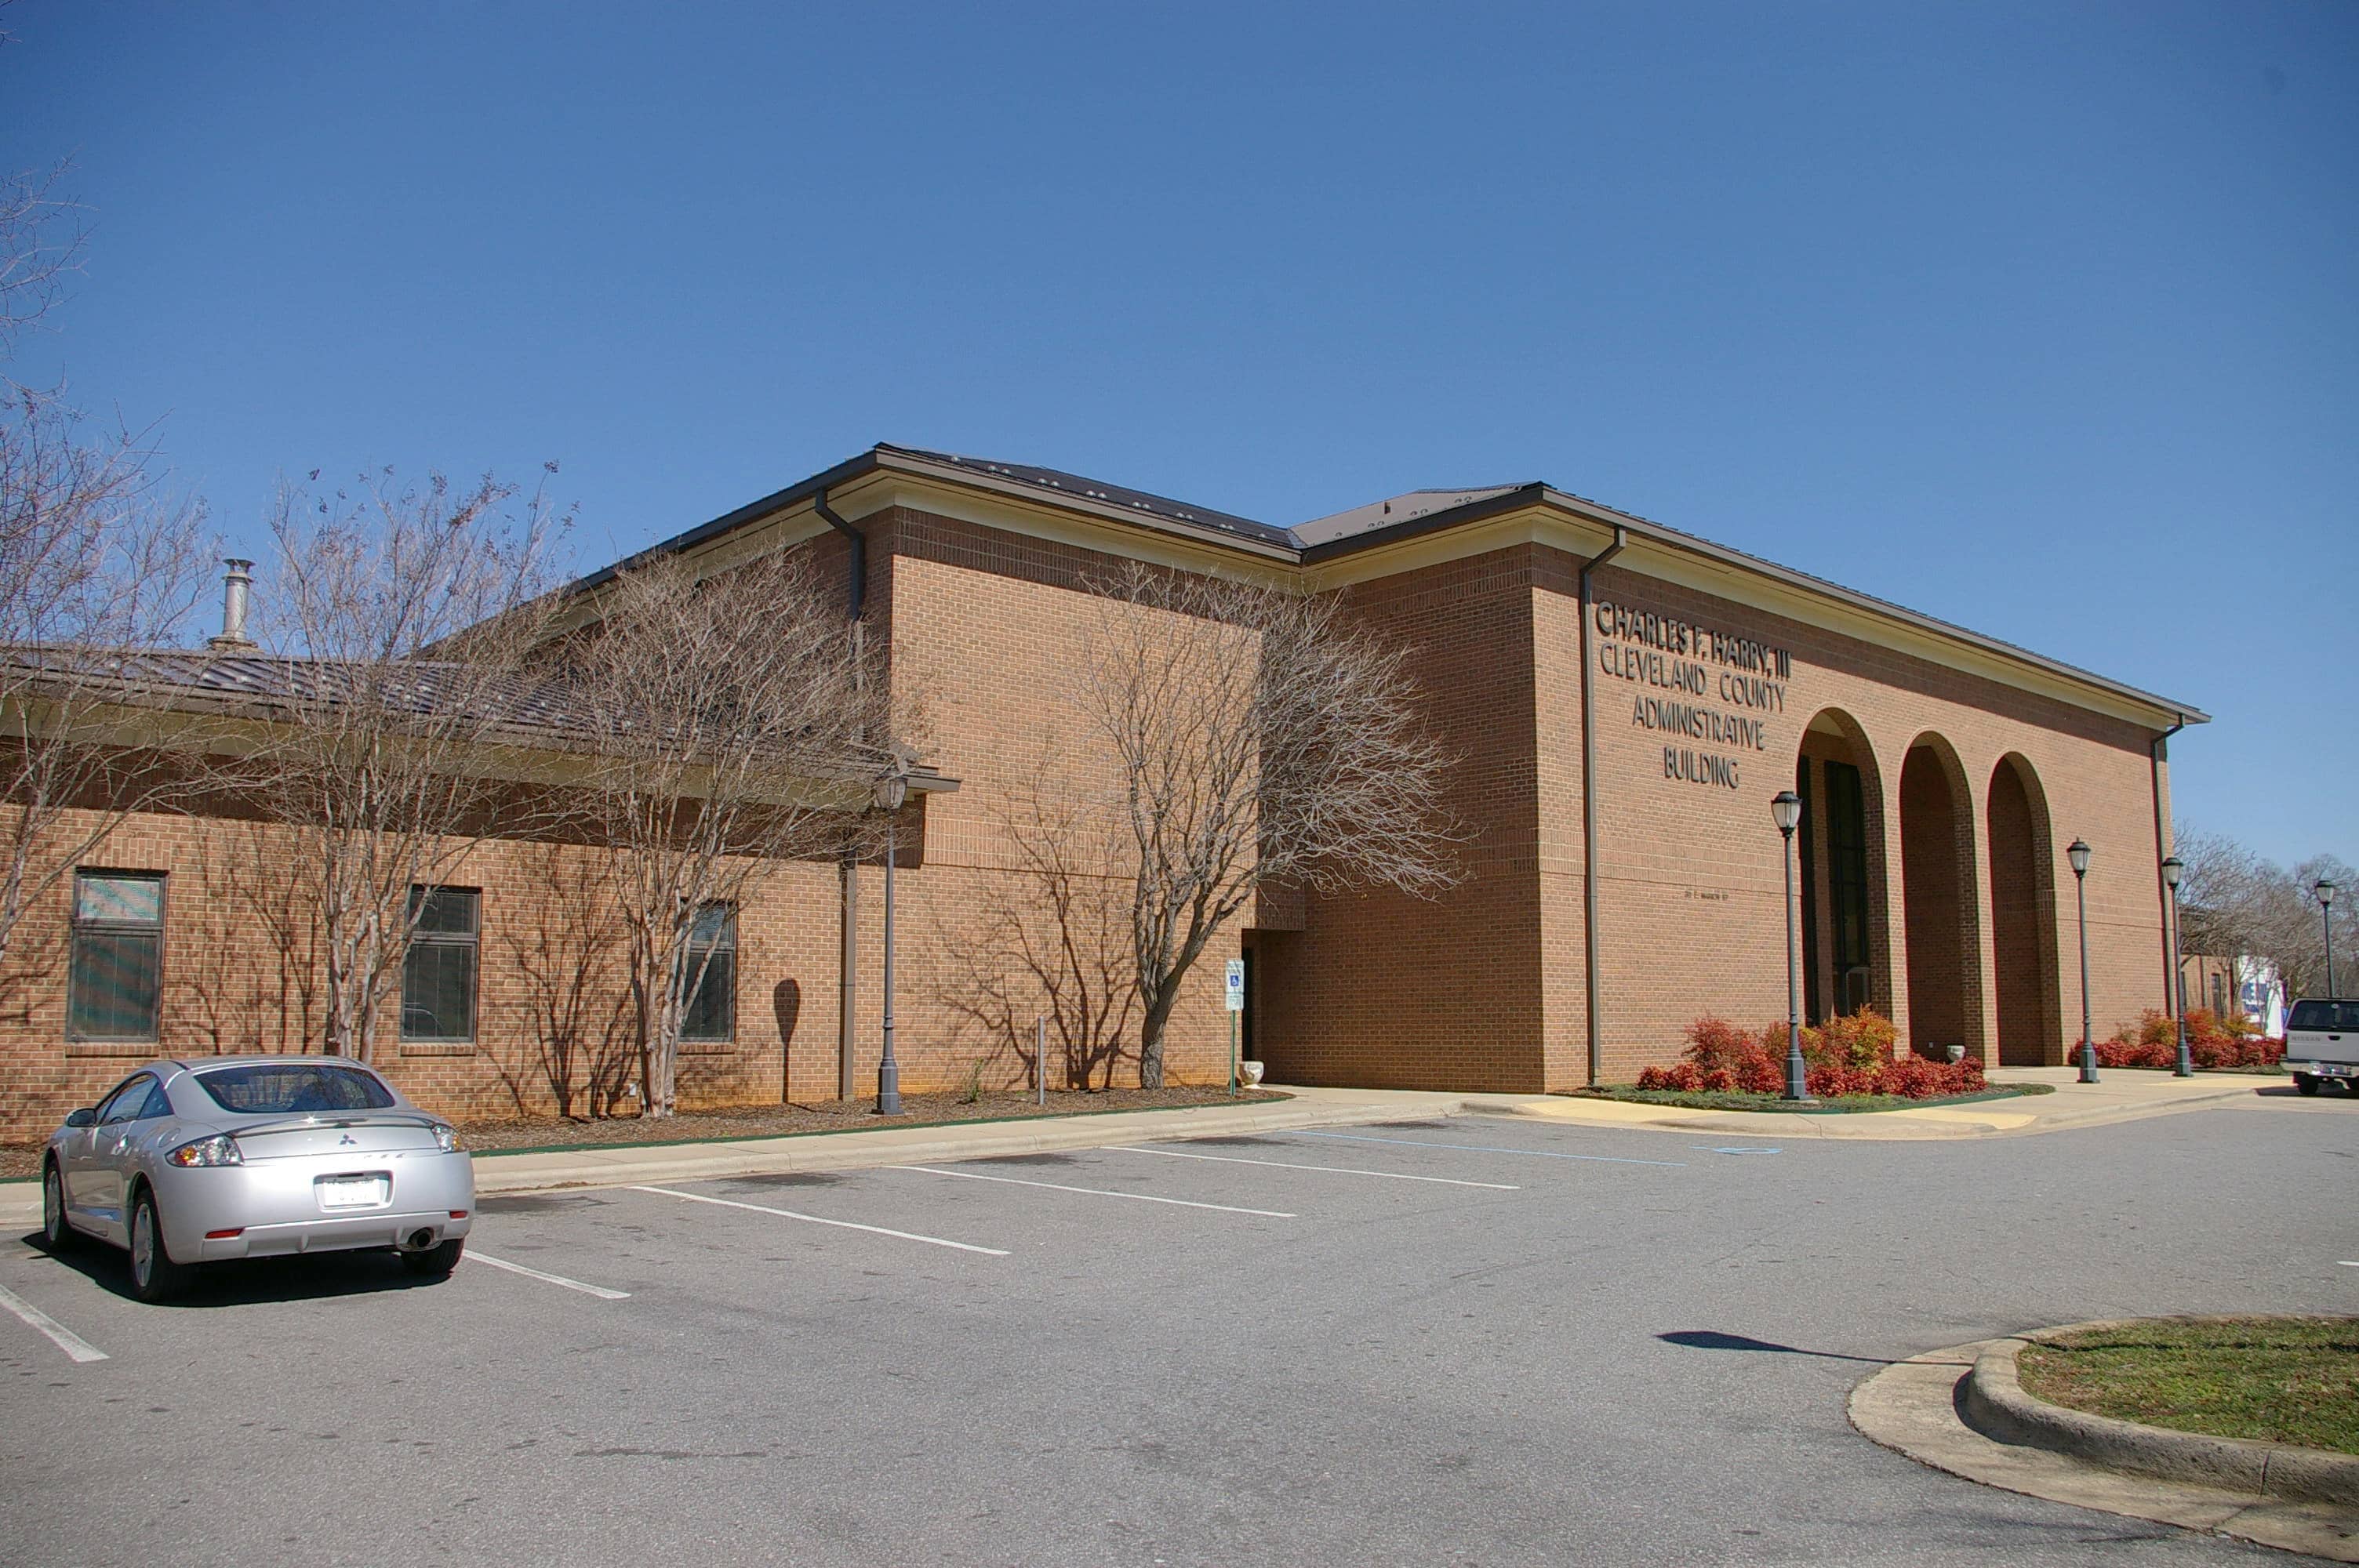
x: 82, y: 1117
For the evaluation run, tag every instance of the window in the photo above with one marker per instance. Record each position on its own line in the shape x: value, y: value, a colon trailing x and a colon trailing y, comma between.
x: 1847, y: 870
x: 276, y: 1088
x: 438, y: 973
x: 711, y: 1012
x: 129, y: 1102
x: 118, y: 956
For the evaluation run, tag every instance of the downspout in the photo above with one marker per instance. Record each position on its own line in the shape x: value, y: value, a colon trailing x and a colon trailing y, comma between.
x: 2154, y: 754
x: 847, y: 988
x: 1589, y: 797
x: 859, y: 575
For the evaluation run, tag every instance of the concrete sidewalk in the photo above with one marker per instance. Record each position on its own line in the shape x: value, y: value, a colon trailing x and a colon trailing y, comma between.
x: 2124, y: 1096
x: 623, y: 1164
x: 2121, y: 1095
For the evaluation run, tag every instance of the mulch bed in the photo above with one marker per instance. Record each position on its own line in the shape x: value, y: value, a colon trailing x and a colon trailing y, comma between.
x: 512, y: 1133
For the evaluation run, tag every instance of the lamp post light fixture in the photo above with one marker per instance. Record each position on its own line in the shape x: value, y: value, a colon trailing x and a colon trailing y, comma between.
x: 892, y: 790
x: 2078, y: 853
x: 2172, y: 870
x: 1785, y: 810
x: 2324, y: 889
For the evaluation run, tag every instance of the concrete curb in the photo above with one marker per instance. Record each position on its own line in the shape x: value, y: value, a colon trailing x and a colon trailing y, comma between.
x: 1993, y: 1402
x: 2019, y: 1116
x: 1912, y: 1407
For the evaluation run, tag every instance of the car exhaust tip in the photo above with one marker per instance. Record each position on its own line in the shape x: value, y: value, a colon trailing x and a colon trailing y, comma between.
x: 420, y: 1240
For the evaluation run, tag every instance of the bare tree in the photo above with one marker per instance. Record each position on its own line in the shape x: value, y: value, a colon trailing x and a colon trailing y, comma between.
x: 735, y: 725
x: 99, y: 572
x: 1048, y: 941
x: 405, y: 616
x: 1260, y: 737
x: 2234, y: 903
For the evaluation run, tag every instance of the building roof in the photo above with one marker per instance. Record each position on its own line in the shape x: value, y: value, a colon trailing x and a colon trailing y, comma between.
x: 1370, y: 526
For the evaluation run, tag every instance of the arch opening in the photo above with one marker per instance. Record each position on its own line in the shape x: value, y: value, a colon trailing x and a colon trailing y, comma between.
x: 1938, y: 896
x: 2026, y: 988
x: 1845, y: 937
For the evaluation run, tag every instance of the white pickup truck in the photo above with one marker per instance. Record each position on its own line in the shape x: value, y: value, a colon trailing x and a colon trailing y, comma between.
x: 2323, y: 1043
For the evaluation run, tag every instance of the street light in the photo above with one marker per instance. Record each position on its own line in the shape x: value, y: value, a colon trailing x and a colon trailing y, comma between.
x: 892, y: 790
x: 2325, y: 891
x: 1785, y: 810
x: 2172, y: 870
x: 2078, y: 853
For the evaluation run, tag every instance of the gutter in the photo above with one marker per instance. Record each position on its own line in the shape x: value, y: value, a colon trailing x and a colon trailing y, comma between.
x: 2154, y: 755
x: 1589, y: 797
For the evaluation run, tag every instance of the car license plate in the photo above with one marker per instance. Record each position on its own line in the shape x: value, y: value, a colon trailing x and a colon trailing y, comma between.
x: 355, y: 1192
x: 2334, y: 1069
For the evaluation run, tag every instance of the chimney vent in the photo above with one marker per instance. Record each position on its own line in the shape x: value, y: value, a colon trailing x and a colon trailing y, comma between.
x: 234, y: 588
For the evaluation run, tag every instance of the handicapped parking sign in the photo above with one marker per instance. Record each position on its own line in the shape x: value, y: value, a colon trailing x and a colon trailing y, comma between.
x: 1237, y: 991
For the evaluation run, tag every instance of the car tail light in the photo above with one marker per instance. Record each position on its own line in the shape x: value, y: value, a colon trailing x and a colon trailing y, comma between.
x: 220, y: 1149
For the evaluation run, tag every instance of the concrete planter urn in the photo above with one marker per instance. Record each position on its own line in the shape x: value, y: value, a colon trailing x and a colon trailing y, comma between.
x: 1250, y: 1074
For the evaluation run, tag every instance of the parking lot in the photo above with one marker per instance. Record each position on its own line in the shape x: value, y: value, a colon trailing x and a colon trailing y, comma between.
x: 1470, y: 1340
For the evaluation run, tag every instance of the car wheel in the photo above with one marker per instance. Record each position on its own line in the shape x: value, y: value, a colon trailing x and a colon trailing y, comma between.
x: 435, y: 1263
x: 58, y: 1233
x: 154, y: 1276
x: 2306, y: 1082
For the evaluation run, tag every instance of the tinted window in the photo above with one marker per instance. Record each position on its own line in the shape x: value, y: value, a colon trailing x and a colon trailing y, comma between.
x: 116, y: 971
x: 126, y: 1102
x: 159, y: 1104
x: 2327, y: 1015
x: 438, y: 973
x: 294, y: 1089
x: 711, y: 971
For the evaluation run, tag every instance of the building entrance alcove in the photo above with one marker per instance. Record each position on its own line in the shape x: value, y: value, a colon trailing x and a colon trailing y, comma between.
x: 2023, y: 917
x: 1938, y: 896
x: 1845, y: 941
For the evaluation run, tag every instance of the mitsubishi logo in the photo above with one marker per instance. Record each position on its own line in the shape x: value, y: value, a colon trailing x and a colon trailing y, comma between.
x: 347, y: 1137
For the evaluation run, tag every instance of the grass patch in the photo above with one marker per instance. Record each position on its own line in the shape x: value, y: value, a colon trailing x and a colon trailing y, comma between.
x: 2285, y: 1379
x: 1713, y: 1099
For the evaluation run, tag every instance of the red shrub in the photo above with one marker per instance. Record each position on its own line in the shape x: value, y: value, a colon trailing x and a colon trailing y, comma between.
x: 2212, y: 1042
x: 1849, y: 1056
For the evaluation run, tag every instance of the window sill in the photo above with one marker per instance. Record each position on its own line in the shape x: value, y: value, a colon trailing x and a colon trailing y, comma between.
x: 438, y: 1047
x: 708, y: 1047
x: 146, y: 1049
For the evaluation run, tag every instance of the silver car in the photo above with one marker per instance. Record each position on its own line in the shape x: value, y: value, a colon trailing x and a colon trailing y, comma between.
x: 191, y: 1162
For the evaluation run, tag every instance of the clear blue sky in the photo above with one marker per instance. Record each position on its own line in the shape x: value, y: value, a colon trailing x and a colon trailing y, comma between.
x: 2040, y: 317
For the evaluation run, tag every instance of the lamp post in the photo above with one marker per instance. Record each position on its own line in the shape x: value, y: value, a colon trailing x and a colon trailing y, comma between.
x: 2172, y: 870
x: 2078, y: 853
x: 2325, y: 891
x: 1785, y: 810
x: 892, y: 790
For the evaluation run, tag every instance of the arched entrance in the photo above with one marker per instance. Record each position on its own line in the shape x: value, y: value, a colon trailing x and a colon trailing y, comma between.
x: 1937, y: 874
x: 2023, y: 917
x: 1846, y: 942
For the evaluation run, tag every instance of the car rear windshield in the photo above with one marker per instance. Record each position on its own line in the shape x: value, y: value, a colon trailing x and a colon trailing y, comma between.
x: 293, y: 1087
x: 2327, y: 1015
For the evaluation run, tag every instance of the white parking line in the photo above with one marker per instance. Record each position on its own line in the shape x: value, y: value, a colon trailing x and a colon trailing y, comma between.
x: 1331, y: 1170
x: 601, y: 1291
x: 1483, y: 1148
x: 64, y: 1338
x: 838, y: 1224
x: 1093, y: 1192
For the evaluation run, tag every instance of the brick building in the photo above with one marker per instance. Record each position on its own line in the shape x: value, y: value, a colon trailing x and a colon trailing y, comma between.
x: 1624, y: 698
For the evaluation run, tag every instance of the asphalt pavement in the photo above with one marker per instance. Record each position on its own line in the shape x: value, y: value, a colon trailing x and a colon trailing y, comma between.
x: 1456, y: 1340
